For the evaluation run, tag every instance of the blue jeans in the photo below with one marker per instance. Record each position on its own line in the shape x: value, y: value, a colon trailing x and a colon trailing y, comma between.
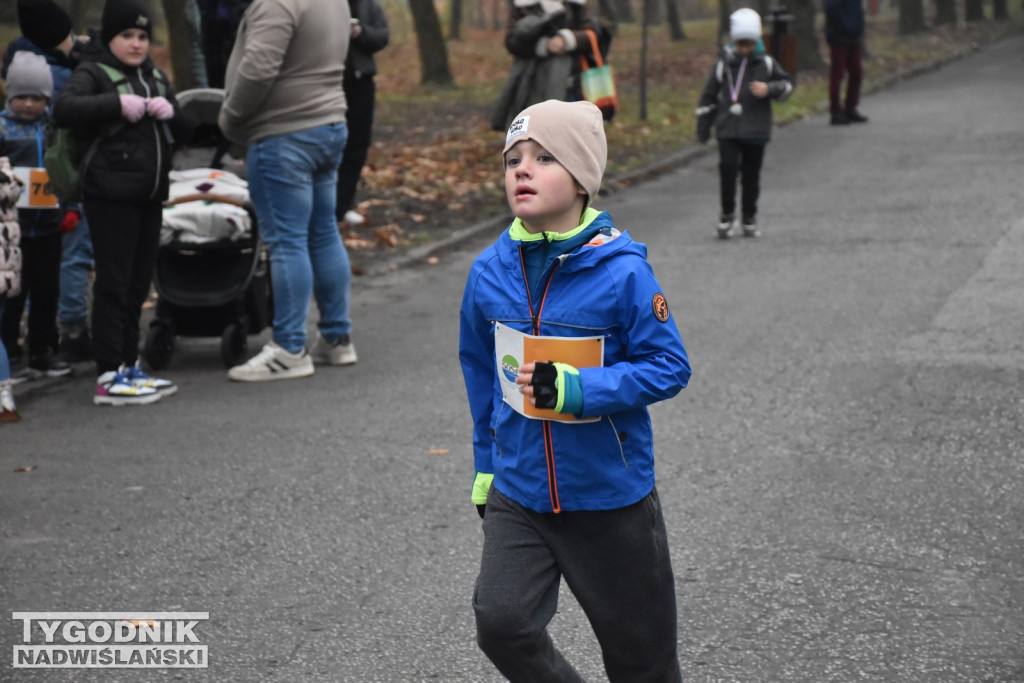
x: 292, y: 182
x: 75, y: 264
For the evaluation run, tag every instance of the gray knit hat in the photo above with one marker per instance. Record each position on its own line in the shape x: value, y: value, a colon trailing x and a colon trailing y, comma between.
x: 28, y: 74
x: 574, y: 134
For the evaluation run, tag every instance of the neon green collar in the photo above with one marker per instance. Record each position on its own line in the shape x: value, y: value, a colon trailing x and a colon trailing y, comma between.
x: 519, y: 233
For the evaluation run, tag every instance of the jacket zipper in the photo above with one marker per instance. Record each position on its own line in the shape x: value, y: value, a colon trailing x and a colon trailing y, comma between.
x: 549, y: 449
x: 156, y: 138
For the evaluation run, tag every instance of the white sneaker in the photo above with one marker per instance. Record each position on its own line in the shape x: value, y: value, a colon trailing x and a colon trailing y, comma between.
x: 273, y: 362
x: 113, y: 388
x: 354, y: 217
x: 725, y: 224
x: 8, y: 413
x: 338, y: 352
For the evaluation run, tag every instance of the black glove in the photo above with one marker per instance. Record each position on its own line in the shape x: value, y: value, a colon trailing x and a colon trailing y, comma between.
x: 544, y: 390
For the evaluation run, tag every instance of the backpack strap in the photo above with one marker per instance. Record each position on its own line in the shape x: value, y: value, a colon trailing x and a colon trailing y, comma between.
x: 117, y: 77
x: 124, y: 86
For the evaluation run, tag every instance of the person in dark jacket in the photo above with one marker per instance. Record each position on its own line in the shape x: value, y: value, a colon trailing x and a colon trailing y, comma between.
x: 844, y: 33
x: 130, y: 121
x: 547, y: 39
x: 369, y: 34
x: 737, y: 101
x: 23, y: 126
x: 46, y: 29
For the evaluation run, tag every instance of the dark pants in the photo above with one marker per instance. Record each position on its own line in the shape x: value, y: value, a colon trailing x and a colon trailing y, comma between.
x: 361, y: 95
x: 616, y: 562
x: 845, y: 58
x: 743, y: 159
x: 40, y: 284
x: 124, y: 243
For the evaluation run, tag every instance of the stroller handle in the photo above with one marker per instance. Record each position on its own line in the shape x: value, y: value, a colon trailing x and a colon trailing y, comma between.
x: 202, y: 196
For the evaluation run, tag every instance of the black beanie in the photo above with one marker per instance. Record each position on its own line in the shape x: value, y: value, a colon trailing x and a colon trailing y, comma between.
x: 120, y: 15
x: 44, y: 22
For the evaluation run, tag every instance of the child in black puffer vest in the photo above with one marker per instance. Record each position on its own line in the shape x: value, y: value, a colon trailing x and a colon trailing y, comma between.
x: 120, y: 104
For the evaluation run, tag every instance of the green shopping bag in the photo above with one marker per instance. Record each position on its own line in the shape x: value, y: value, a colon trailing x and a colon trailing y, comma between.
x: 598, y: 82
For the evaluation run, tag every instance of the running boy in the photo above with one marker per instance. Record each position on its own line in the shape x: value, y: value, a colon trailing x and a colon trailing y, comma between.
x: 737, y: 100
x: 22, y: 129
x: 559, y: 499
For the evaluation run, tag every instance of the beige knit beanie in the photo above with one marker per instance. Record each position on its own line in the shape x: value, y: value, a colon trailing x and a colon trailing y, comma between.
x: 574, y: 134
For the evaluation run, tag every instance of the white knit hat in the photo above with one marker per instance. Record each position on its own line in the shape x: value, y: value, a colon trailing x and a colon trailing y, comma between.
x: 745, y: 24
x: 574, y: 134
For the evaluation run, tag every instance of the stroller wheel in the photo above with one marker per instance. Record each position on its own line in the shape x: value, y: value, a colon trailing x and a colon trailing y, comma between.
x: 159, y: 345
x: 234, y: 344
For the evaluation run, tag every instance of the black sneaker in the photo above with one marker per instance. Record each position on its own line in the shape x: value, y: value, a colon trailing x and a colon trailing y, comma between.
x: 47, y: 365
x: 75, y: 348
x: 856, y: 117
x: 840, y: 119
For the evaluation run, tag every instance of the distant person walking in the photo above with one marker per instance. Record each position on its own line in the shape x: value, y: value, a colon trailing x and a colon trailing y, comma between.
x: 369, y: 34
x: 844, y: 33
x: 284, y: 100
x: 737, y: 101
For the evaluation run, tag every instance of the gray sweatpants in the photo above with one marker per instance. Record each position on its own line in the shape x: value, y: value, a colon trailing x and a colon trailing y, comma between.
x: 616, y: 562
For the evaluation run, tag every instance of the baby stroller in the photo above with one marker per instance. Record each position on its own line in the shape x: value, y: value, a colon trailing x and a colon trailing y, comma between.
x: 212, y: 271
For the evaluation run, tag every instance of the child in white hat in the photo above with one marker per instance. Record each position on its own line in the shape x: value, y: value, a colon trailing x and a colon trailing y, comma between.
x: 563, y: 450
x: 736, y: 100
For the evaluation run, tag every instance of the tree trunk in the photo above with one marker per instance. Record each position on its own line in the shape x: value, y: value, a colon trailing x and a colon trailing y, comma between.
x: 178, y: 38
x: 499, y: 14
x: 974, y: 10
x: 77, y: 11
x: 606, y: 13
x: 1000, y: 11
x: 433, y: 51
x: 723, y: 22
x: 455, y: 21
x: 808, y: 49
x: 675, y: 21
x: 911, y: 16
x: 945, y: 12
x: 624, y: 11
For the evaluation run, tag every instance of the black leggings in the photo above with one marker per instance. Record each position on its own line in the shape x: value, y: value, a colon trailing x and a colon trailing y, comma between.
x: 40, y: 284
x: 360, y: 94
x: 739, y: 157
x: 124, y: 242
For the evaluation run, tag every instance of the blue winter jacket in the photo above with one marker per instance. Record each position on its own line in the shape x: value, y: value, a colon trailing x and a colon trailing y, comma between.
x: 22, y: 142
x: 605, y: 287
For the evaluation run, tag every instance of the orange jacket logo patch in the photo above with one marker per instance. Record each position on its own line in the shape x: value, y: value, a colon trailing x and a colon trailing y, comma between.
x: 660, y: 306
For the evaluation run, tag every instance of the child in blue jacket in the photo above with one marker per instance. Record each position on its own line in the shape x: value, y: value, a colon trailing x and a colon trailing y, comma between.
x: 559, y: 499
x: 23, y: 126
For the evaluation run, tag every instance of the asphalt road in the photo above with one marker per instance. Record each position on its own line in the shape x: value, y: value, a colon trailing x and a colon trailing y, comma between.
x: 842, y: 480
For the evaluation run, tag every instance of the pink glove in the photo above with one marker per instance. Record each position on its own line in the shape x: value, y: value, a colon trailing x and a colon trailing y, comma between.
x: 133, y: 107
x: 159, y: 108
